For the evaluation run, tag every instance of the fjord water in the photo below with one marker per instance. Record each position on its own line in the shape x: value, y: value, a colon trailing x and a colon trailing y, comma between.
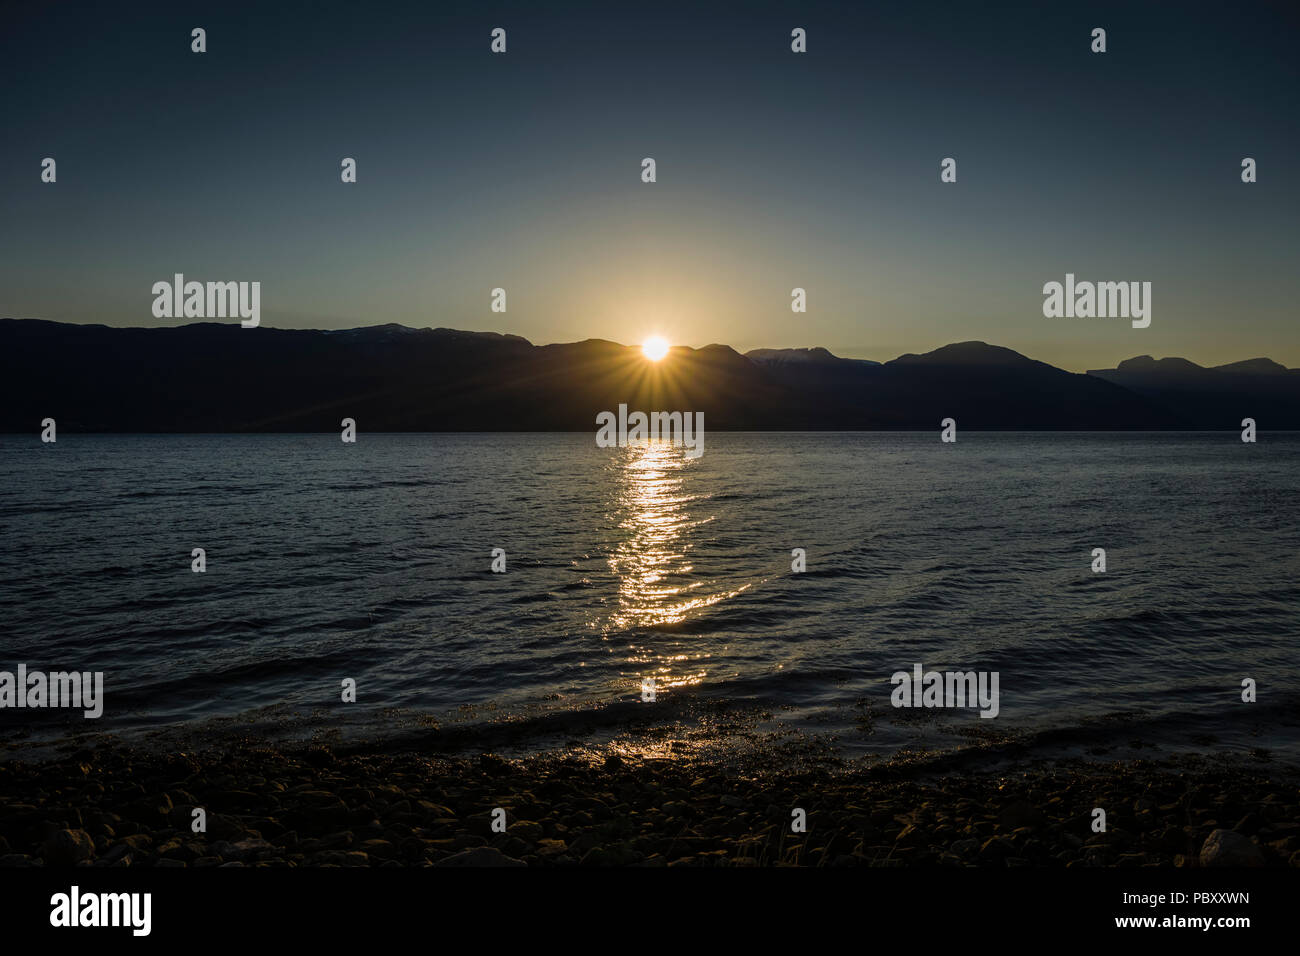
x: 372, y: 561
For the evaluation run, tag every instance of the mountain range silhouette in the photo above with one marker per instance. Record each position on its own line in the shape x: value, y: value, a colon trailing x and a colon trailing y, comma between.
x: 219, y: 377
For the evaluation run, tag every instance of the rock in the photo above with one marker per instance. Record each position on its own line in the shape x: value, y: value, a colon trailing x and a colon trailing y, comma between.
x: 318, y: 757
x: 492, y: 765
x: 1118, y: 837
x: 342, y: 840
x: 222, y: 827
x: 1171, y: 840
x: 243, y: 850
x: 911, y: 836
x: 68, y: 848
x: 174, y: 849
x: 1020, y: 814
x: 379, y: 848
x: 610, y: 856
x: 1228, y: 848
x: 437, y: 811
x: 526, y: 830
x: 513, y: 846
x: 733, y: 801
x: 966, y: 848
x: 480, y: 856
x: 115, y: 853
x: 268, y: 827
x: 139, y: 841
x: 1250, y: 824
x: 149, y: 810
x: 996, y: 850
x: 181, y: 816
x: 1098, y: 855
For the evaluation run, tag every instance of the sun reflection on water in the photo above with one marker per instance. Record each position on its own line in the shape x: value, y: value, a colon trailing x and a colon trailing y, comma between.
x: 657, y: 584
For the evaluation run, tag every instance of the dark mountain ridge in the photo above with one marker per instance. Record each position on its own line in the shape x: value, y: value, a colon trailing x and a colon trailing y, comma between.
x: 1216, y: 397
x: 219, y: 377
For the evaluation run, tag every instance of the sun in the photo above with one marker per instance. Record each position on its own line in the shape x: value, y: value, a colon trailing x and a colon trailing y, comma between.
x: 655, y: 348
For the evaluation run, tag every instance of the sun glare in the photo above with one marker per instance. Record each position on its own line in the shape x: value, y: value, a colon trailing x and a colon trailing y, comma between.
x: 655, y: 348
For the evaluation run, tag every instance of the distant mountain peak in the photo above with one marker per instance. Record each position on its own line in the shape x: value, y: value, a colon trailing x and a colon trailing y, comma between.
x: 1164, y: 366
x: 491, y: 336
x: 391, y: 331
x: 810, y: 356
x: 966, y: 353
x: 1255, y: 366
x: 1145, y: 365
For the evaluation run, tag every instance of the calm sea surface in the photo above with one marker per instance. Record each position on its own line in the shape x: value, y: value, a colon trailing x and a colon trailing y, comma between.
x: 372, y: 561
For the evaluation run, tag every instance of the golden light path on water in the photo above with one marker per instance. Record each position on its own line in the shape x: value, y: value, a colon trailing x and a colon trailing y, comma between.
x: 657, y: 586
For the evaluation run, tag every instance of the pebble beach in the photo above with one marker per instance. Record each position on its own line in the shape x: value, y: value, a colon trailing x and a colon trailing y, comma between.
x: 116, y: 806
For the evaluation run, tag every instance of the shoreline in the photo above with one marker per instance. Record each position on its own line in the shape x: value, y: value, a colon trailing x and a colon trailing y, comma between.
x: 314, y: 806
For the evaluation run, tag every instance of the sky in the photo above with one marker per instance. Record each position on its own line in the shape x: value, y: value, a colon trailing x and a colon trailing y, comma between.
x: 775, y: 170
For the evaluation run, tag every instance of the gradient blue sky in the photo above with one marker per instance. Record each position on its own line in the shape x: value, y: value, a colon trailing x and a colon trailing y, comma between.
x: 775, y: 170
